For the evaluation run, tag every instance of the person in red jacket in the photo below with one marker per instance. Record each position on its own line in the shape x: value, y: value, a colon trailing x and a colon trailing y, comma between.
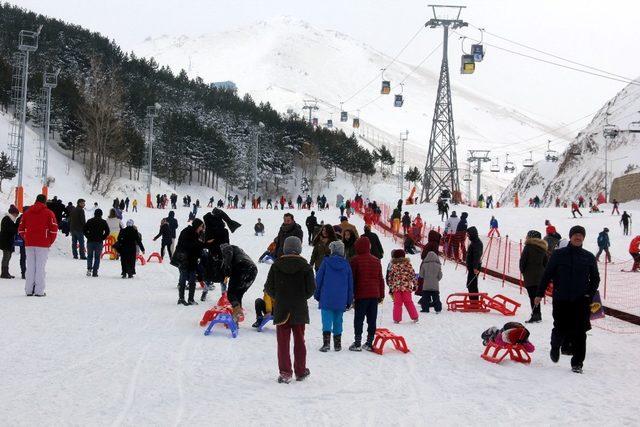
x: 368, y: 289
x: 39, y: 229
x: 634, y: 250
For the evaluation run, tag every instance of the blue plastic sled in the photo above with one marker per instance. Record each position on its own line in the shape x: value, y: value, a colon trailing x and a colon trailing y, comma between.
x: 225, y: 319
x: 264, y: 322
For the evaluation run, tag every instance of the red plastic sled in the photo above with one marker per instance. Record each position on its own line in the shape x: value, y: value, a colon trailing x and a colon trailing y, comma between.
x: 495, y: 353
x: 483, y: 304
x: 383, y: 335
x: 155, y: 255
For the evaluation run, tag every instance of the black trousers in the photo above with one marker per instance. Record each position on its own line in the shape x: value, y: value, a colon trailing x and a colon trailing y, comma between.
x: 128, y: 263
x: 367, y: 307
x: 472, y: 283
x: 261, y: 308
x: 239, y: 283
x: 310, y: 231
x: 532, y: 296
x: 570, y: 326
x: 168, y: 247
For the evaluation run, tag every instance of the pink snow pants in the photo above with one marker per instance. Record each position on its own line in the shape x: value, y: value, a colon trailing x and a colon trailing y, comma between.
x: 35, y: 274
x: 401, y: 298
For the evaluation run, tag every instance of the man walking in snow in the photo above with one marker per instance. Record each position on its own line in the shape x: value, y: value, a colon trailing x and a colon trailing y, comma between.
x: 39, y: 230
x: 311, y: 223
x: 473, y: 261
x: 95, y: 230
x: 625, y: 220
x: 76, y: 225
x: 574, y: 273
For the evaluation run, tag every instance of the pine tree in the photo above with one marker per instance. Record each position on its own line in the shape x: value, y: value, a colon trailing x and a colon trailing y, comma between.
x: 7, y: 169
x: 413, y: 175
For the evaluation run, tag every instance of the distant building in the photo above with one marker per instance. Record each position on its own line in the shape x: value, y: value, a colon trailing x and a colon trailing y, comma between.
x: 228, y: 85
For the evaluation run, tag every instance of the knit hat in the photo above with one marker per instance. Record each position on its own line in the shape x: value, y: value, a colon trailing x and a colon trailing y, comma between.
x: 337, y: 248
x: 130, y: 223
x: 534, y: 234
x: 577, y: 229
x: 97, y: 213
x: 398, y: 253
x: 551, y: 229
x: 197, y: 222
x: 13, y: 210
x: 292, y: 246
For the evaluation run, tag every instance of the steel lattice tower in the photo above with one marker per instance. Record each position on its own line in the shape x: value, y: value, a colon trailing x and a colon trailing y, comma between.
x: 441, y: 169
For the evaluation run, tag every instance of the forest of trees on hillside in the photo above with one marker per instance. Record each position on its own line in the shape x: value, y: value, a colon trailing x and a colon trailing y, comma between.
x: 202, y: 134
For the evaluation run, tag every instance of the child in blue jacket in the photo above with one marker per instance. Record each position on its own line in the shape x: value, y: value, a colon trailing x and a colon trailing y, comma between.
x: 334, y: 291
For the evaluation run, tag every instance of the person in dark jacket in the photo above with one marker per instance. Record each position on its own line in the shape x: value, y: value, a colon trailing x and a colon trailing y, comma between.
x: 76, y: 226
x: 433, y: 244
x: 459, y: 237
x: 215, y: 234
x: 186, y: 257
x: 625, y: 220
x: 533, y: 261
x: 19, y: 241
x: 334, y: 291
x: 406, y: 222
x: 288, y: 228
x: 128, y: 239
x: 290, y: 283
x: 240, y: 271
x: 167, y: 235
x: 8, y: 232
x: 349, y: 241
x: 409, y: 245
x: 368, y: 291
x: 603, y: 245
x: 574, y: 273
x: 311, y: 223
x: 95, y: 230
x: 376, y: 247
x: 321, y: 246
x: 259, y: 228
x: 173, y: 227
x: 473, y: 259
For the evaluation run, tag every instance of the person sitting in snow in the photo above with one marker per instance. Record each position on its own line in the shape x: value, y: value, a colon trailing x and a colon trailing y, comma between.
x: 259, y: 228
x: 264, y: 308
x: 409, y: 245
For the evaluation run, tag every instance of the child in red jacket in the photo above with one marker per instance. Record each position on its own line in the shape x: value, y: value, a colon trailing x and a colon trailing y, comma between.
x: 401, y: 279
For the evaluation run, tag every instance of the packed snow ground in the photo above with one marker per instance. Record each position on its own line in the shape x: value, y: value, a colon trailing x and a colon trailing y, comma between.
x: 111, y: 351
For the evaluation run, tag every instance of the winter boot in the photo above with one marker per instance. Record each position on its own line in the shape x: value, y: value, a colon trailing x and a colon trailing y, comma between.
x: 368, y: 346
x: 5, y: 274
x: 304, y: 375
x: 535, y: 318
x: 282, y: 379
x: 203, y: 297
x: 326, y: 339
x: 355, y: 346
x: 181, y: 299
x: 577, y: 369
x: 554, y: 354
x: 337, y: 342
x: 89, y: 273
x: 192, y: 293
x: 237, y: 313
x: 256, y: 324
x: 94, y: 274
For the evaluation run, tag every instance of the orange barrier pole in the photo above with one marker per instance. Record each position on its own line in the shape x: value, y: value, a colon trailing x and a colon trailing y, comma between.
x: 504, y: 267
x: 520, y: 278
x: 498, y: 258
x: 149, y: 204
x: 19, y: 198
x: 45, y: 191
x: 606, y: 264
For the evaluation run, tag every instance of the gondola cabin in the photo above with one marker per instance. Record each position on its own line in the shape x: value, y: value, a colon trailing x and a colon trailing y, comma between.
x: 386, y: 87
x: 314, y: 121
x: 468, y: 65
x: 356, y: 123
x: 344, y: 116
x: 399, y: 101
x: 477, y: 50
x: 329, y: 123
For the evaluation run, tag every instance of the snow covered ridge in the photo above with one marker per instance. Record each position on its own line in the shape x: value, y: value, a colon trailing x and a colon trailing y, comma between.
x: 581, y: 167
x: 286, y: 60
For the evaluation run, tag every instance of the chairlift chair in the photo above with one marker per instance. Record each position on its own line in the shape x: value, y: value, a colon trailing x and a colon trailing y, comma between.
x: 495, y: 167
x: 528, y: 163
x: 551, y: 155
x: 509, y: 167
x: 468, y: 65
x: 467, y: 176
x: 634, y: 127
x: 610, y: 131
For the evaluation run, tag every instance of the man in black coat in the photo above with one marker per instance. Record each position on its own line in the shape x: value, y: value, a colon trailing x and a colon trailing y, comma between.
x: 95, y: 230
x: 173, y: 228
x: 288, y: 228
x: 77, y: 222
x: 240, y: 271
x: 473, y: 260
x: 311, y: 223
x: 8, y: 231
x: 186, y: 257
x: 574, y: 273
x: 376, y: 247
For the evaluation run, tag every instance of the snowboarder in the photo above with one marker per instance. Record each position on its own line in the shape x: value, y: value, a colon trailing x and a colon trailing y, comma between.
x: 533, y: 261
x: 574, y: 273
x: 430, y: 276
x: 603, y: 245
x: 290, y: 283
x: 473, y: 260
x: 401, y: 279
x: 95, y: 230
x: 368, y: 290
x: 334, y: 292
x: 39, y: 229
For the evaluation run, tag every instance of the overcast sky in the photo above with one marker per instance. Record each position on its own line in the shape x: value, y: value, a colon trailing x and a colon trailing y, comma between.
x: 603, y: 34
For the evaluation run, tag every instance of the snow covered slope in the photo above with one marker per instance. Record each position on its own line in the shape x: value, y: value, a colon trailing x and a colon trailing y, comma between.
x: 285, y: 60
x: 584, y: 173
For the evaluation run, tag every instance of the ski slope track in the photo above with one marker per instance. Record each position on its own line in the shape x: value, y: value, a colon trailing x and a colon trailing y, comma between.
x: 108, y: 351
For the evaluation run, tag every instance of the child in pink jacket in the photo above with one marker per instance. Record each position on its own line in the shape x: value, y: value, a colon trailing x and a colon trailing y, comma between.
x: 401, y: 279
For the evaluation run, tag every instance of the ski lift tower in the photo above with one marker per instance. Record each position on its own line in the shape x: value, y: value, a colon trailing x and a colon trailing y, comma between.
x: 403, y: 138
x: 480, y: 156
x: 27, y: 43
x: 311, y: 105
x: 441, y: 169
x: 610, y: 132
x: 152, y: 112
x: 49, y: 82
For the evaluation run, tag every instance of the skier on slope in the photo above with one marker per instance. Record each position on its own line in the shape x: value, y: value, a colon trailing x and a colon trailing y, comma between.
x: 625, y: 220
